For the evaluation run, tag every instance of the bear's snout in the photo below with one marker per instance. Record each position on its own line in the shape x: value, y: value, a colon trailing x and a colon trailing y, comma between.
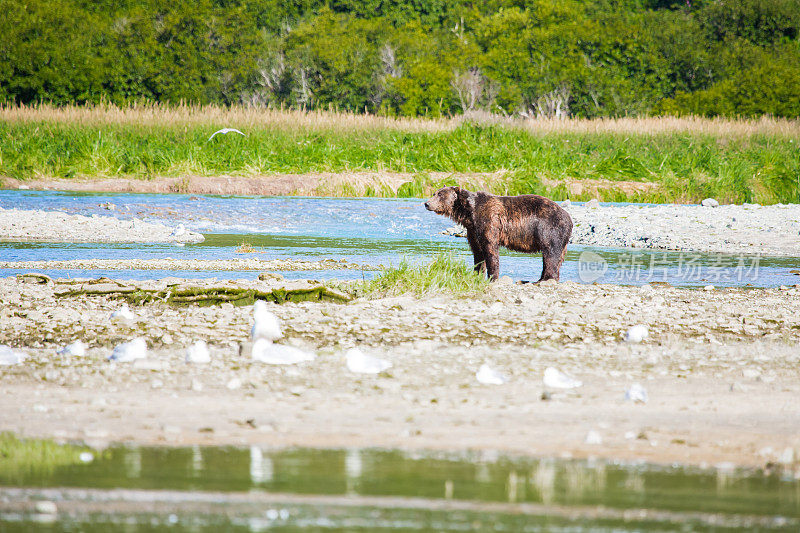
x: 427, y: 206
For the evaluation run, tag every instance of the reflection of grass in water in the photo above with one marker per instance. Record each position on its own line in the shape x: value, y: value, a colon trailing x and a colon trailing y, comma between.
x: 445, y: 274
x: 23, y: 459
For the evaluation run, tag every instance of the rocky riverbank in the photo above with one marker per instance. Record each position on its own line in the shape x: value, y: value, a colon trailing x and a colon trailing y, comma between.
x: 719, y: 367
x: 170, y: 264
x: 734, y: 229
x: 22, y: 225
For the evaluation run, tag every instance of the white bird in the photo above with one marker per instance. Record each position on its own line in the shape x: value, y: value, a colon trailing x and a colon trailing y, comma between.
x: 123, y: 313
x: 198, y: 353
x: 555, y: 379
x: 129, y: 351
x: 636, y: 393
x: 73, y: 349
x: 179, y: 231
x: 225, y: 131
x: 489, y: 376
x: 10, y: 356
x: 278, y: 354
x: 361, y: 363
x: 637, y: 333
x: 265, y: 324
x: 593, y: 437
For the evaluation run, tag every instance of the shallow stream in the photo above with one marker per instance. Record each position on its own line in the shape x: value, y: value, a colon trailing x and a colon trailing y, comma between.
x: 367, y: 231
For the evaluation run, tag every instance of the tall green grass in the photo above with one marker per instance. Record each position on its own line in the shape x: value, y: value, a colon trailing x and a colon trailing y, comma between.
x: 685, y: 166
x: 445, y: 273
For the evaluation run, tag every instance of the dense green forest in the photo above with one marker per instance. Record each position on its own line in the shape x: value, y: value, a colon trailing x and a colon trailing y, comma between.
x: 410, y: 57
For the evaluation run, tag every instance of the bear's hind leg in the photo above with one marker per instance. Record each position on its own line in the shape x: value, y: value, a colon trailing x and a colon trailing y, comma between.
x: 551, y: 264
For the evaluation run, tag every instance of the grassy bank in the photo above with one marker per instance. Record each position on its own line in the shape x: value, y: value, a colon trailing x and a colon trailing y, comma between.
x: 659, y: 160
x: 445, y: 273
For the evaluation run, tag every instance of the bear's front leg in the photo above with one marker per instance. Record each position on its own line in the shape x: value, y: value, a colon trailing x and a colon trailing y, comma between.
x: 492, y: 254
x: 477, y: 252
x: 488, y: 237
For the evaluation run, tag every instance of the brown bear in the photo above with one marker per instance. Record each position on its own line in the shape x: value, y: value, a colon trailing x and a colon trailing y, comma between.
x: 527, y: 223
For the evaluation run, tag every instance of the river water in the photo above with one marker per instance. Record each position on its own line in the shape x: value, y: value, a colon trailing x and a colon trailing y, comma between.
x: 368, y: 231
x: 139, y: 489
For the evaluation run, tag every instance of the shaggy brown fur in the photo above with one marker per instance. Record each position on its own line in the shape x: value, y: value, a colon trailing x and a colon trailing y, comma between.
x: 527, y: 223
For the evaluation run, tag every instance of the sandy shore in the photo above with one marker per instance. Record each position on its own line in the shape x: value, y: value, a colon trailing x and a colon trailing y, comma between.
x: 720, y: 368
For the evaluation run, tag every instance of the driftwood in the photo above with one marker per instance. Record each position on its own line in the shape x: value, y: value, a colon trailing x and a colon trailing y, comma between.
x: 207, y: 296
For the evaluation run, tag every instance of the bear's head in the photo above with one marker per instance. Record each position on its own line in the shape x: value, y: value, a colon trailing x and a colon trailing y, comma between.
x: 444, y: 201
x: 455, y: 203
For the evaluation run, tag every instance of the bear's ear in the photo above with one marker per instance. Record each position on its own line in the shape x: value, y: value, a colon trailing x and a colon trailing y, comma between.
x: 465, y: 197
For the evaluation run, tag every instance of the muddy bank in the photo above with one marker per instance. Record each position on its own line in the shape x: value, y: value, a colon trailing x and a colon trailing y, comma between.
x: 720, y: 369
x: 53, y: 226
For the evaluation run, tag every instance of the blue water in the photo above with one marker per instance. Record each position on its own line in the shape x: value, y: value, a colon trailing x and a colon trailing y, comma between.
x: 368, y: 231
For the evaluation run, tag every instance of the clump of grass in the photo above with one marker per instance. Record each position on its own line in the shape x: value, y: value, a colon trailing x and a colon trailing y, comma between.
x: 245, y: 248
x: 21, y: 459
x: 445, y: 273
